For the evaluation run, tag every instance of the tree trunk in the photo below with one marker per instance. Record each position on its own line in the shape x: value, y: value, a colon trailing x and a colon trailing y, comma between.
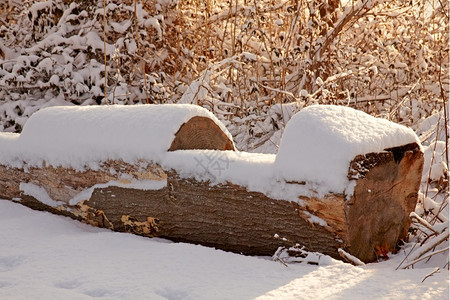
x: 229, y: 217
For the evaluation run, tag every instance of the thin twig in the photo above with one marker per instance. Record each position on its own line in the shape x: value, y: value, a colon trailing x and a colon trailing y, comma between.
x: 432, y: 273
x: 443, y: 9
x: 438, y: 215
x: 422, y: 221
x: 281, y: 261
x: 278, y: 91
x: 104, y: 48
x: 412, y: 249
x: 432, y: 158
x: 445, y: 110
x: 239, y: 9
x: 425, y: 257
x: 331, y: 35
x: 432, y: 244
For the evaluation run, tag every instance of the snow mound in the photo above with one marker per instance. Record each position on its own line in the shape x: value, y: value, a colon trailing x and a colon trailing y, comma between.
x: 79, y: 137
x: 317, y: 146
x: 321, y: 140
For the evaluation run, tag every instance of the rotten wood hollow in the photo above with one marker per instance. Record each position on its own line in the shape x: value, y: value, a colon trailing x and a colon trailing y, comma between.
x: 230, y: 217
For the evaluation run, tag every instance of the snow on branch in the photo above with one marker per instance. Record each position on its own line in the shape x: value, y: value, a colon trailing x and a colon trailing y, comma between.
x: 431, y: 244
x: 351, y: 11
x: 350, y: 258
x: 422, y: 221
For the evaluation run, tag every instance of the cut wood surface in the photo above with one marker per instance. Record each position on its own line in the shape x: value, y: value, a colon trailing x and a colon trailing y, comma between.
x: 201, y: 133
x: 232, y: 218
x: 378, y: 212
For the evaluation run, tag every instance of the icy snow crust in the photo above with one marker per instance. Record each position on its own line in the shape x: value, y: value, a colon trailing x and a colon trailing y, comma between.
x: 80, y: 137
x: 321, y: 140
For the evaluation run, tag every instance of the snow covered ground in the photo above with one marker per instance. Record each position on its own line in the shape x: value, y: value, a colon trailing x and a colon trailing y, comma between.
x: 43, y: 256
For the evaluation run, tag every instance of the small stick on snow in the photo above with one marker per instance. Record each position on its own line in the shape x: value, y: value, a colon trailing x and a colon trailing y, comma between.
x: 350, y: 258
x: 432, y: 273
x: 281, y: 261
x: 277, y: 254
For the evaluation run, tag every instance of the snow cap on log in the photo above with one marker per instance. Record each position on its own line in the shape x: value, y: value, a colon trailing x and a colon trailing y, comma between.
x: 83, y: 136
x: 321, y: 140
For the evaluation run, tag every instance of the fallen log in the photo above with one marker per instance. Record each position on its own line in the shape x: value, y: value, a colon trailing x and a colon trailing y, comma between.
x: 206, y: 197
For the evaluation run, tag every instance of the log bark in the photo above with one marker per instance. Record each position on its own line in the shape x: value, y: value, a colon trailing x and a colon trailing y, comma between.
x: 230, y: 217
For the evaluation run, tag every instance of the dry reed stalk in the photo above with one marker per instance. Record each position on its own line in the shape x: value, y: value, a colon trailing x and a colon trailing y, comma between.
x: 104, y: 49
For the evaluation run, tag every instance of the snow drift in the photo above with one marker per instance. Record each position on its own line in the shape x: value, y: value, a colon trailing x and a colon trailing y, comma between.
x: 318, y: 144
x: 321, y: 140
x: 73, y: 136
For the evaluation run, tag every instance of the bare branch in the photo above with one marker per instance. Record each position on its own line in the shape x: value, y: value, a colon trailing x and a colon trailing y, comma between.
x: 432, y: 244
x: 425, y: 257
x: 422, y: 221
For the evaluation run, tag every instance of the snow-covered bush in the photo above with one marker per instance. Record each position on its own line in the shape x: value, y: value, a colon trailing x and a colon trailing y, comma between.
x: 54, y: 53
x: 388, y: 58
x: 430, y: 221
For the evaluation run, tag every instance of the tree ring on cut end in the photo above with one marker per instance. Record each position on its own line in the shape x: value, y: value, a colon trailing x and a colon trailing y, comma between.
x: 201, y: 133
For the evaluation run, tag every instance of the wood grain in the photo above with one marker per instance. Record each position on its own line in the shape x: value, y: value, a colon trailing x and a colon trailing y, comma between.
x: 201, y: 133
